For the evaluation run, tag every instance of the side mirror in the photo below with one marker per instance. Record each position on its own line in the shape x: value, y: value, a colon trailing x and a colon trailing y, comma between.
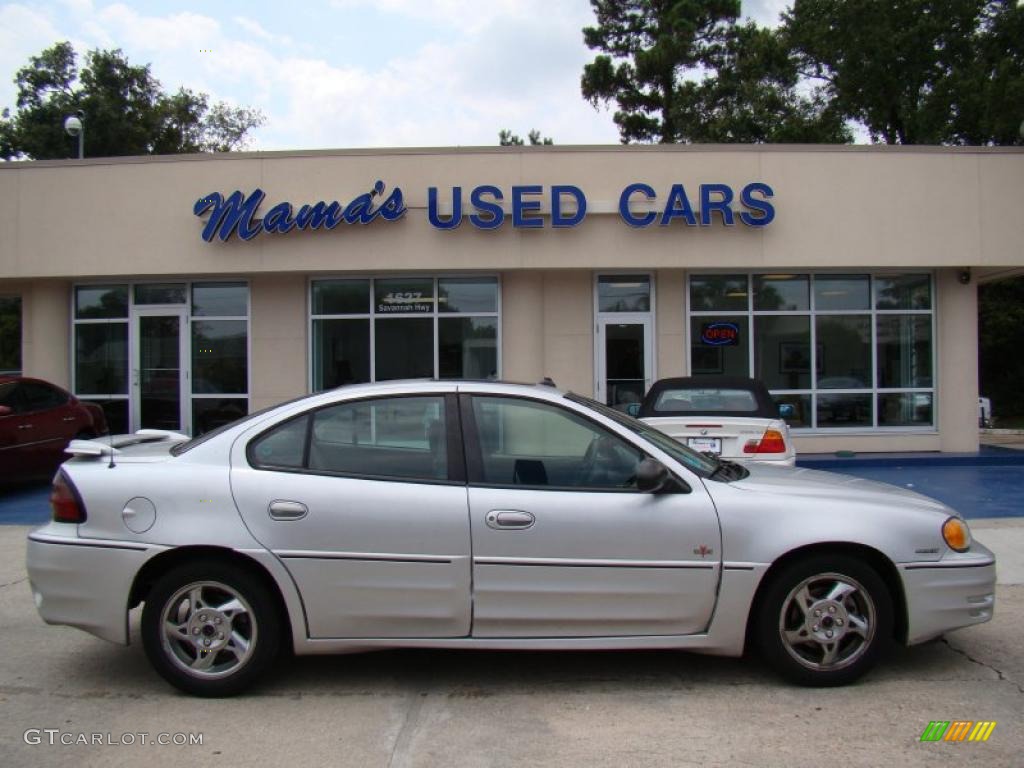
x: 633, y: 409
x: 786, y: 410
x: 5, y: 410
x: 653, y: 477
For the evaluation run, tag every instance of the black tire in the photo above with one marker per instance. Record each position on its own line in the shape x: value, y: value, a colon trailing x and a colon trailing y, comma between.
x: 813, y: 639
x: 233, y: 614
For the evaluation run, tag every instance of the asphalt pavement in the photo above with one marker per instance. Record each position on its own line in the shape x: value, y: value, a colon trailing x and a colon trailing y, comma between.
x: 458, y: 709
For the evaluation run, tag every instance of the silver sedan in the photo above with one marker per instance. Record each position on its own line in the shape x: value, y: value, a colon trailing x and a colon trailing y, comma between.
x: 486, y: 516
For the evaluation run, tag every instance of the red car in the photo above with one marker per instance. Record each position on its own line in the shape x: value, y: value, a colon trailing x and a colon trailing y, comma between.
x: 37, y: 419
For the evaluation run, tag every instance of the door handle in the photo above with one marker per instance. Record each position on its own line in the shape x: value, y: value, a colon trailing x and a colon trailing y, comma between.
x: 287, y: 510
x: 509, y: 519
x: 68, y: 418
x: 25, y: 426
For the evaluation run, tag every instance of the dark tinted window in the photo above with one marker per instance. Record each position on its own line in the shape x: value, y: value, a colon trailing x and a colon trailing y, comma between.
x: 283, y: 446
x: 9, y: 395
x: 41, y: 397
x: 399, y: 437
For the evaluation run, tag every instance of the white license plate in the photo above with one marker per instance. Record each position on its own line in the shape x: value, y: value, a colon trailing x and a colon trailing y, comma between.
x: 709, y: 444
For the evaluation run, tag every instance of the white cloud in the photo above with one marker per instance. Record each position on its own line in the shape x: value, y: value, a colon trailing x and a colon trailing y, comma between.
x: 765, y: 12
x: 256, y: 29
x: 24, y: 32
x: 509, y: 64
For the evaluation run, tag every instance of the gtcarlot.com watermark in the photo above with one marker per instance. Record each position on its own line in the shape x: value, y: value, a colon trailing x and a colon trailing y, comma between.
x: 55, y: 737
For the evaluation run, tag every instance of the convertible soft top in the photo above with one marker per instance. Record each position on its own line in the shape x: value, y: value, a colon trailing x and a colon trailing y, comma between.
x: 705, y: 401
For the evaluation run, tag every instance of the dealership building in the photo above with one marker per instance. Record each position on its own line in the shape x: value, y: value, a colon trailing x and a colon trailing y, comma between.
x: 183, y: 291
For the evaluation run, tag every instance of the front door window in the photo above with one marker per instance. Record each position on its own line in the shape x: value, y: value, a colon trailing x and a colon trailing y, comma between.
x: 158, y: 372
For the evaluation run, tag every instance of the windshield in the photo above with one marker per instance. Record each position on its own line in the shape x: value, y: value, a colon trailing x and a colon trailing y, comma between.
x: 700, y: 463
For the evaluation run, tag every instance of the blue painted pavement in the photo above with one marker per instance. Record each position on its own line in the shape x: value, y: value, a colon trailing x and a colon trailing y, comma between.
x: 985, y: 484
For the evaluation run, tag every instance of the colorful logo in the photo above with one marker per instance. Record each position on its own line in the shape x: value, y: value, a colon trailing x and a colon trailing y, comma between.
x: 720, y: 334
x: 958, y: 730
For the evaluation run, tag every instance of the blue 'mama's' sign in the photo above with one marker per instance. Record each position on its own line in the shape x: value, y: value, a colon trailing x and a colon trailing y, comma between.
x: 236, y: 214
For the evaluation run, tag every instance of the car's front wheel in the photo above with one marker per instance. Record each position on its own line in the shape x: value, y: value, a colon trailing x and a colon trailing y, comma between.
x: 825, y: 620
x: 210, y: 628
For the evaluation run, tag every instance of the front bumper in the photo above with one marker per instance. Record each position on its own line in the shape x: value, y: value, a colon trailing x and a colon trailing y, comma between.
x: 83, y: 583
x: 954, y: 592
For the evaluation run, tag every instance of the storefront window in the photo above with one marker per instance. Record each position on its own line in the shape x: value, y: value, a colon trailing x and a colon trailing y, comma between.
x: 720, y: 345
x: 10, y: 334
x: 341, y: 352
x: 341, y: 297
x: 161, y: 293
x: 131, y: 343
x: 782, y: 351
x: 404, y: 348
x: 93, y: 302
x: 624, y: 293
x: 844, y: 350
x: 781, y: 292
x: 415, y: 327
x: 220, y: 300
x: 467, y: 347
x: 718, y: 293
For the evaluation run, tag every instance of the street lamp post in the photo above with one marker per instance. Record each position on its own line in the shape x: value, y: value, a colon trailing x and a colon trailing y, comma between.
x: 74, y: 126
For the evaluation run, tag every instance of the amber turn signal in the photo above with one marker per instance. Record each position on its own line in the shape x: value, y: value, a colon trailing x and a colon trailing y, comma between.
x: 771, y: 441
x: 957, y: 534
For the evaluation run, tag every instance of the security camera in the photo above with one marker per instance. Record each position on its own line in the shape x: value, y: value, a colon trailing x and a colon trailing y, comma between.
x: 73, y: 124
x: 964, y: 276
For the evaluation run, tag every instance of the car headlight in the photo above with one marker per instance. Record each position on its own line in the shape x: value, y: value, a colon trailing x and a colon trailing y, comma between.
x: 956, y: 534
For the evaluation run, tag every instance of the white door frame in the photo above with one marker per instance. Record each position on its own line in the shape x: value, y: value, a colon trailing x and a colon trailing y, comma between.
x: 135, y: 359
x: 600, y: 368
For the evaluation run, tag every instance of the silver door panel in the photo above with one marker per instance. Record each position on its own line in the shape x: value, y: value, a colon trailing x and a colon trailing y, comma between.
x: 370, y: 558
x: 583, y: 569
x: 383, y: 598
x: 582, y: 601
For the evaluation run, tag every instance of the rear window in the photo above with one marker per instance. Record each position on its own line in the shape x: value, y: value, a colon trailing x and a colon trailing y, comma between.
x: 706, y: 400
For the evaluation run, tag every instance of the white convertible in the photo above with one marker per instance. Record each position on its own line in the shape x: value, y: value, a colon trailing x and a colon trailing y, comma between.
x: 486, y: 515
x: 728, y: 416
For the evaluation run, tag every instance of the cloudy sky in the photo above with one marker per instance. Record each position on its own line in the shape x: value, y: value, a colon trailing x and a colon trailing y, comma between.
x: 350, y: 73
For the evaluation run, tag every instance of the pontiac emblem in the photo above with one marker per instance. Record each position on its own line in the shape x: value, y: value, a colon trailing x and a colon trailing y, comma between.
x: 703, y: 550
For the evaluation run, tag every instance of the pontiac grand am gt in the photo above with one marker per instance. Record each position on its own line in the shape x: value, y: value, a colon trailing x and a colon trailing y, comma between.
x: 486, y: 515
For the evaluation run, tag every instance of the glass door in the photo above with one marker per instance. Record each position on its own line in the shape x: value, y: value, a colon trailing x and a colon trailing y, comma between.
x: 624, y: 360
x: 159, y: 369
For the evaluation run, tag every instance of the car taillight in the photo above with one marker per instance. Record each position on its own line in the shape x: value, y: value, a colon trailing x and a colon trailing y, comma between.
x: 67, y: 506
x: 771, y: 441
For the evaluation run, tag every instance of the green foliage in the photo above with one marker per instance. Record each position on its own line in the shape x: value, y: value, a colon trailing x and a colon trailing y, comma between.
x: 126, y: 112
x: 917, y: 71
x: 1000, y: 341
x: 685, y: 71
x: 508, y: 139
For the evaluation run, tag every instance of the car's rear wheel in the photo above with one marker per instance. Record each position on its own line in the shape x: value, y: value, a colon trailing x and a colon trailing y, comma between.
x: 825, y: 620
x: 210, y: 629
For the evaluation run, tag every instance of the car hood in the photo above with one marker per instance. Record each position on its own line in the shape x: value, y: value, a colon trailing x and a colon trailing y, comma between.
x: 813, y: 483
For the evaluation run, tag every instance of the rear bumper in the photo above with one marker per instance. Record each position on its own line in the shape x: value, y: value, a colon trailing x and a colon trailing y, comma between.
x: 948, y: 594
x: 84, y: 583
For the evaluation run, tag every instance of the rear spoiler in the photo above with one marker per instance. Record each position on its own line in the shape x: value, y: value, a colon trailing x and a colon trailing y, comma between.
x: 97, y: 447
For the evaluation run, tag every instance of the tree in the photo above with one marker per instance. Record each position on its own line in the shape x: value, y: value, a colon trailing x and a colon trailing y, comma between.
x: 647, y: 44
x: 683, y: 70
x: 508, y: 139
x: 126, y: 112
x: 917, y: 71
x: 755, y: 96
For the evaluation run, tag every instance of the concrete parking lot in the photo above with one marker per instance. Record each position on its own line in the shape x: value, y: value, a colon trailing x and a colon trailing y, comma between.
x: 510, y: 709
